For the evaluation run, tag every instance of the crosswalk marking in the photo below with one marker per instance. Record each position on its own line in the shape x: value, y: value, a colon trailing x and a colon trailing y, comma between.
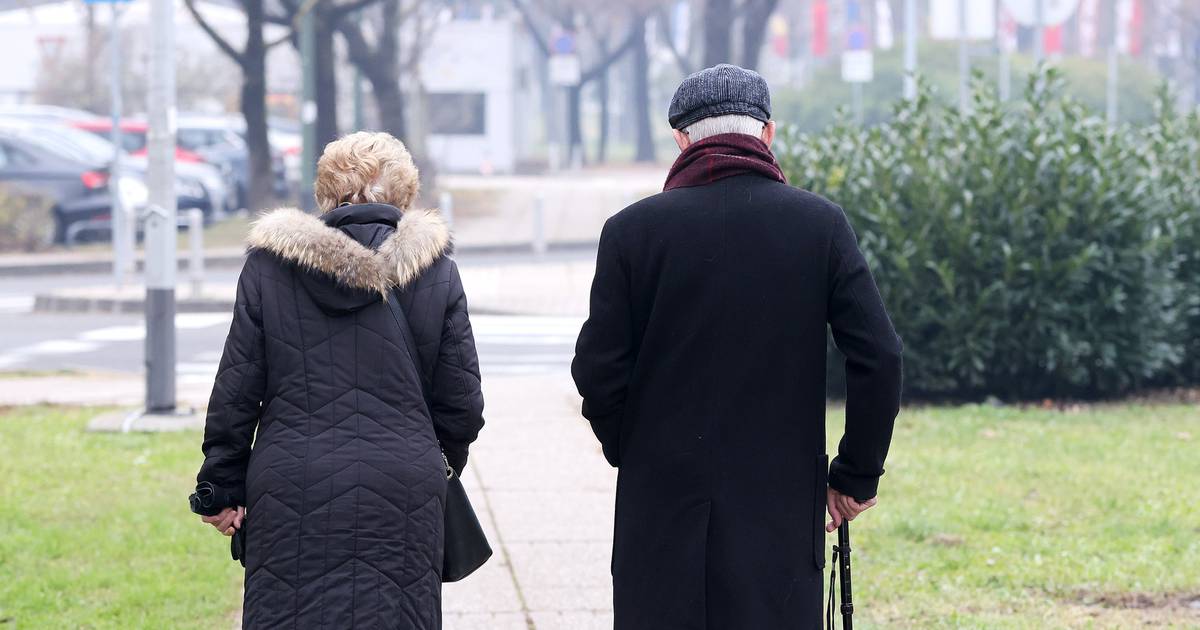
x: 507, y: 344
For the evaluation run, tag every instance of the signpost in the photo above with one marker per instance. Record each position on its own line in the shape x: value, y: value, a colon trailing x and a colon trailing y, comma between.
x: 161, y: 224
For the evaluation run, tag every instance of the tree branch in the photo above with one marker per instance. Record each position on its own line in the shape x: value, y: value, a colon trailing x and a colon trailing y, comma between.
x: 221, y: 43
x: 599, y: 67
x: 665, y: 26
x: 527, y: 17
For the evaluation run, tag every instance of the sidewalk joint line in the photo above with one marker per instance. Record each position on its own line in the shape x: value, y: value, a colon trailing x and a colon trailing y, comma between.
x: 512, y: 570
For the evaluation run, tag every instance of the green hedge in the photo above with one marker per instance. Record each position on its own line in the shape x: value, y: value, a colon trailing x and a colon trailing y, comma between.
x: 1024, y: 250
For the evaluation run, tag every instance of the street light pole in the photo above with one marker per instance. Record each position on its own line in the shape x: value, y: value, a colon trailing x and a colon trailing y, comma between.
x: 1112, y: 91
x: 161, y: 223
x: 910, y: 49
x: 964, y: 59
x: 308, y: 105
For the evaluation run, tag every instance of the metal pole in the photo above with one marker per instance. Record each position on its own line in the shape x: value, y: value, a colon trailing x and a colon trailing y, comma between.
x: 308, y: 109
x: 196, y: 251
x: 910, y: 49
x: 1112, y: 92
x: 856, y: 93
x: 964, y: 60
x: 1004, y: 69
x: 1039, y: 31
x: 539, y: 225
x: 121, y: 242
x: 161, y: 225
x: 446, y: 204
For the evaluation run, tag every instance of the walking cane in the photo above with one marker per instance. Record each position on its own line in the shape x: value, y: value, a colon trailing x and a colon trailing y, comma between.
x: 841, y: 565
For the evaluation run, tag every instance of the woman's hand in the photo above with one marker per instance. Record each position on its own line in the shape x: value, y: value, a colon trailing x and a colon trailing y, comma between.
x: 227, y: 521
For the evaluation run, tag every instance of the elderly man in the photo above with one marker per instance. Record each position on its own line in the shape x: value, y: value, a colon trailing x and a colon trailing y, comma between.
x: 702, y: 371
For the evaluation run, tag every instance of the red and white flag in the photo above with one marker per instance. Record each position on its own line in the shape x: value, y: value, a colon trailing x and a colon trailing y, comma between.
x: 1089, y: 27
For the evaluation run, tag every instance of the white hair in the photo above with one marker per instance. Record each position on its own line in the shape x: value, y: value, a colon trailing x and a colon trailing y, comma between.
x: 730, y: 123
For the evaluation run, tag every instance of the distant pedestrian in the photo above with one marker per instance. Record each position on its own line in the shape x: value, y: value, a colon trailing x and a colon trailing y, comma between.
x: 318, y: 423
x: 702, y: 371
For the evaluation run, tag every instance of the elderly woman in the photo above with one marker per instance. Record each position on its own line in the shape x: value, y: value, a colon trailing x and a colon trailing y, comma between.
x: 350, y: 415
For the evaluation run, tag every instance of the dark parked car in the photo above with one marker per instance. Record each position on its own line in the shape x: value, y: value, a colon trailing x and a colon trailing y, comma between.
x: 76, y: 189
x: 80, y: 147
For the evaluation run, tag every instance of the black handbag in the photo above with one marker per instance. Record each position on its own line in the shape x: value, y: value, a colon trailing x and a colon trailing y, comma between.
x: 465, y: 546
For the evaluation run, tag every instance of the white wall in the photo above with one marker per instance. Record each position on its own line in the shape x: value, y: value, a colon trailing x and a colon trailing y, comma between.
x: 475, y: 56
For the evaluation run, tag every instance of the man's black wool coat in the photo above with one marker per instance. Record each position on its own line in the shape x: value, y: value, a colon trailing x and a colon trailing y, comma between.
x: 702, y: 371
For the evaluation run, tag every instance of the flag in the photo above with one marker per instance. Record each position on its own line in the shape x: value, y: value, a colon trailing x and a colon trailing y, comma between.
x: 1052, y: 40
x: 944, y: 24
x: 1007, y: 31
x: 820, y: 28
x: 1089, y: 26
x: 885, y: 38
x: 1129, y: 27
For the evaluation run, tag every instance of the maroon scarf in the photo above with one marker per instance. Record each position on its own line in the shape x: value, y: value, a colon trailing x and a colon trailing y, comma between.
x: 721, y: 156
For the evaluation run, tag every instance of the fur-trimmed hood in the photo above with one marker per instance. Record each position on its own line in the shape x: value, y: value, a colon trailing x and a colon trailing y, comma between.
x: 420, y: 238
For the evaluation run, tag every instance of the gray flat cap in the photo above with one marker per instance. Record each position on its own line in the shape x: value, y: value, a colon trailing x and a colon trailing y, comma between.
x: 719, y: 91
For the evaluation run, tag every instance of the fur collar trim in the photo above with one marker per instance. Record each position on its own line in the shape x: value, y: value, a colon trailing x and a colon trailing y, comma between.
x: 421, y: 237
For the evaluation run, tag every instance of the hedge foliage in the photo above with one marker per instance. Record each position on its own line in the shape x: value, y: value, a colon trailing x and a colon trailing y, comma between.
x: 1024, y: 249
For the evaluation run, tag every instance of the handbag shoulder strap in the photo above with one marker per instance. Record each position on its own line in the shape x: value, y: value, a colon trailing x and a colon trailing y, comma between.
x: 414, y: 354
x: 410, y: 341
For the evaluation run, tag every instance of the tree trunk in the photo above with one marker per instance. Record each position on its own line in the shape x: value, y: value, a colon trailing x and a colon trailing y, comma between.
x: 381, y: 67
x: 754, y: 29
x: 326, y: 81
x: 260, y: 185
x: 574, y: 127
x: 603, y: 94
x: 641, y: 95
x: 718, y: 21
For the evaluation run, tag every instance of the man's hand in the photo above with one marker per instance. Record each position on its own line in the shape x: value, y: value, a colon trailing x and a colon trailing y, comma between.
x: 842, y: 507
x: 227, y: 521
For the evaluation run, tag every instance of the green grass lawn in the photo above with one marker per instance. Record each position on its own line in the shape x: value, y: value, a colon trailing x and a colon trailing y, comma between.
x: 988, y: 518
x: 95, y: 531
x: 1019, y: 518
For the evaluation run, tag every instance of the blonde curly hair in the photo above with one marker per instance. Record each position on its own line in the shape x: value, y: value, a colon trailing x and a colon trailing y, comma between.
x: 366, y: 167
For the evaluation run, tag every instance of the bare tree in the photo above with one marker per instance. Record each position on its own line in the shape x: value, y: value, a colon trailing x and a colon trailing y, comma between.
x: 327, y: 15
x: 720, y: 19
x: 567, y: 15
x: 251, y: 58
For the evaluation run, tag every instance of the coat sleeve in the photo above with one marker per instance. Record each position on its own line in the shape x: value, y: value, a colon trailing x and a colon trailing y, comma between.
x: 864, y: 334
x: 605, y: 352
x: 237, y: 396
x: 456, y: 395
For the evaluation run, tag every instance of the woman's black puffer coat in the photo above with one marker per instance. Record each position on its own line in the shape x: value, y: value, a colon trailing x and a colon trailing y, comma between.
x: 317, y: 415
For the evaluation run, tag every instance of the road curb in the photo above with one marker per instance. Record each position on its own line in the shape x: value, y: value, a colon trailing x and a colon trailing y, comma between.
x: 30, y: 266
x: 51, y: 303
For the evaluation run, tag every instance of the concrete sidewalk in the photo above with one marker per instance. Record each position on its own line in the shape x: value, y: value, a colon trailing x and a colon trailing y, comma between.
x: 545, y: 494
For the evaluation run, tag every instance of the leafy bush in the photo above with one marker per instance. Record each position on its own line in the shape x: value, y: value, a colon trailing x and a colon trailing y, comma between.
x: 1024, y: 250
x: 26, y: 222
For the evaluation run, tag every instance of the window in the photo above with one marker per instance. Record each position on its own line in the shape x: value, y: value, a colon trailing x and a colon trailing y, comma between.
x: 457, y: 113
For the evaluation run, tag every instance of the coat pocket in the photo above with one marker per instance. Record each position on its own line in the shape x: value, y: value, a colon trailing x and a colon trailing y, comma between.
x: 821, y: 477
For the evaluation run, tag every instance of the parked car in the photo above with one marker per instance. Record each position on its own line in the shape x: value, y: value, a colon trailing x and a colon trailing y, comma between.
x: 197, y: 185
x: 77, y: 189
x: 134, y: 135
x: 215, y: 140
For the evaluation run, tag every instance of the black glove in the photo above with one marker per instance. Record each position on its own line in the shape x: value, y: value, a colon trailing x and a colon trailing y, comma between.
x: 210, y: 499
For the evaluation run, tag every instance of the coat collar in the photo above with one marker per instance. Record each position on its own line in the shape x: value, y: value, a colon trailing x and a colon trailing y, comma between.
x: 421, y: 237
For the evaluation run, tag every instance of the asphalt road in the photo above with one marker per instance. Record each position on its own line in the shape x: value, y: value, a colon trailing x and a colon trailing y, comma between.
x: 113, y: 343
